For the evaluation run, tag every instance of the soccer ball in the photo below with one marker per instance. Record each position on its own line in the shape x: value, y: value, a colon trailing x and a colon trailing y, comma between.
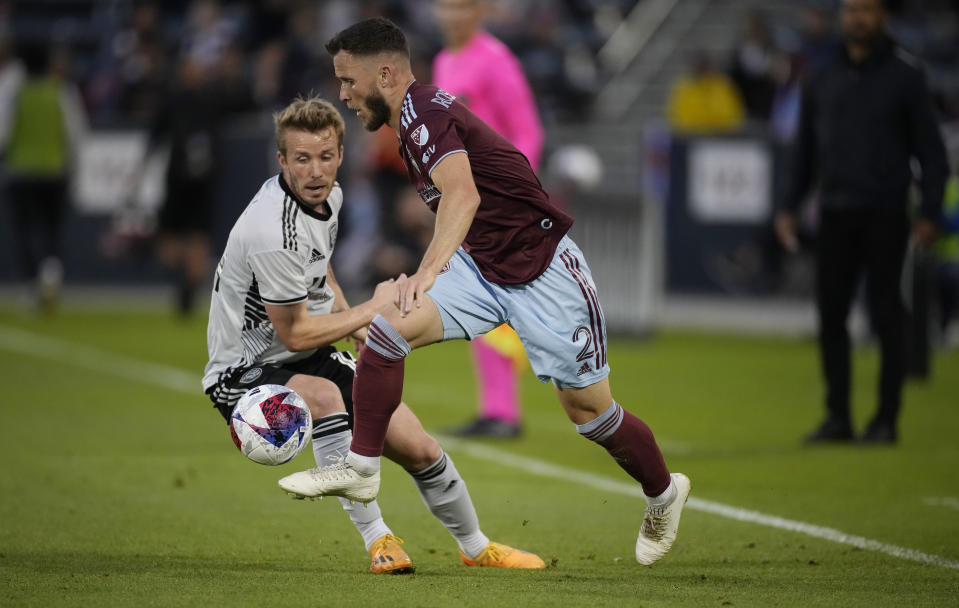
x: 271, y: 424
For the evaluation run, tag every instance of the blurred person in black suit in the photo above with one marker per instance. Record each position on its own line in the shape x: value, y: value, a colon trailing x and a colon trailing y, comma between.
x: 865, y: 116
x: 188, y: 122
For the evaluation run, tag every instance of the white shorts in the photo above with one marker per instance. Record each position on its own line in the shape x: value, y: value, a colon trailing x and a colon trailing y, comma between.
x: 557, y: 315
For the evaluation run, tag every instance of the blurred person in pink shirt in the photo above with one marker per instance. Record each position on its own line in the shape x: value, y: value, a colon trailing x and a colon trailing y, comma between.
x: 482, y: 72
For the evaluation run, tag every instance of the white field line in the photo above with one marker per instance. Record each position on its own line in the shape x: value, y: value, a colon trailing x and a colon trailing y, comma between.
x: 19, y: 341
x: 98, y: 360
x: 545, y: 469
x: 950, y: 502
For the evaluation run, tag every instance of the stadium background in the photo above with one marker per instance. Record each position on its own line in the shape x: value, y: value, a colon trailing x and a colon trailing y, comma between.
x: 676, y: 226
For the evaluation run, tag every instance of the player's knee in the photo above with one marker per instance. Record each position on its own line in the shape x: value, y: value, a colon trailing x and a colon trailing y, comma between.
x: 323, y: 397
x: 422, y: 454
x: 386, y: 340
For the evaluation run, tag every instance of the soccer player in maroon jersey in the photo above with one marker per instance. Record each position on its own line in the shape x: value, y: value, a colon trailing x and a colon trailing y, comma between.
x: 499, y: 254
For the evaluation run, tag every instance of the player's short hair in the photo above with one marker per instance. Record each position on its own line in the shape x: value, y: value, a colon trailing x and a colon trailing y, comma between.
x: 370, y: 37
x: 310, y: 114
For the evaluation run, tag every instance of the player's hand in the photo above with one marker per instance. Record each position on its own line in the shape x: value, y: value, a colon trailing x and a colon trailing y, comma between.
x: 358, y: 345
x: 358, y: 339
x: 924, y: 232
x: 384, y: 294
x: 786, y: 231
x: 410, y: 291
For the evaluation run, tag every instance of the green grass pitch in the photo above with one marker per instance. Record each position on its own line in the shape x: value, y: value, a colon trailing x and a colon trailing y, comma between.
x: 119, y: 487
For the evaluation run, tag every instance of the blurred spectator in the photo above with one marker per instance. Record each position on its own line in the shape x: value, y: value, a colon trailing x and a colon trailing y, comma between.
x: 188, y: 122
x: 387, y: 174
x: 864, y: 117
x: 786, y: 70
x: 752, y: 69
x: 130, y: 71
x: 704, y: 101
x: 11, y: 76
x: 817, y: 41
x: 484, y: 74
x: 412, y: 228
x: 231, y: 81
x: 209, y: 32
x: 293, y: 64
x: 46, y: 123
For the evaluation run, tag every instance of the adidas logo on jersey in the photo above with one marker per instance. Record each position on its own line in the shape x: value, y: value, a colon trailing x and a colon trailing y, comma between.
x: 585, y: 369
x: 316, y: 256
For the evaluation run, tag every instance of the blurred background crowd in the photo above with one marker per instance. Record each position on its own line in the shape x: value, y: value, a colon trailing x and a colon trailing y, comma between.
x: 124, y: 54
x: 617, y: 83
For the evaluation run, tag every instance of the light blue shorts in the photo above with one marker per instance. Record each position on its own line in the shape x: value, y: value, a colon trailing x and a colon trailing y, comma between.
x: 557, y: 315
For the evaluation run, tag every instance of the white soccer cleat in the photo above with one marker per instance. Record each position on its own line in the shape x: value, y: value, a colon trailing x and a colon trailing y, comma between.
x: 339, y: 479
x: 660, y: 524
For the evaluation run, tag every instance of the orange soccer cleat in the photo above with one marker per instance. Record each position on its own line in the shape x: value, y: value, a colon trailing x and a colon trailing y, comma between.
x: 497, y: 555
x: 389, y: 557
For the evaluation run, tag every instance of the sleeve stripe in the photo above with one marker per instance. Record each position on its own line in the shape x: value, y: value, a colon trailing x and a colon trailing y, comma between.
x: 437, y: 161
x: 290, y: 301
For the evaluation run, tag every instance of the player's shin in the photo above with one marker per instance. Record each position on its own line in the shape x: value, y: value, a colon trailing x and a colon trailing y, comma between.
x: 446, y: 496
x: 331, y: 442
x: 376, y: 392
x: 631, y: 444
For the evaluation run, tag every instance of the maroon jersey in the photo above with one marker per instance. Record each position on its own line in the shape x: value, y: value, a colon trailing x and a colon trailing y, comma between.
x: 516, y: 228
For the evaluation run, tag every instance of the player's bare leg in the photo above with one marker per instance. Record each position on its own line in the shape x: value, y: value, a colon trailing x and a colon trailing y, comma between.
x: 631, y: 444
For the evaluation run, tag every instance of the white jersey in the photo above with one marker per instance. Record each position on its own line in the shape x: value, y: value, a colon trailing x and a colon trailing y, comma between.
x: 278, y: 253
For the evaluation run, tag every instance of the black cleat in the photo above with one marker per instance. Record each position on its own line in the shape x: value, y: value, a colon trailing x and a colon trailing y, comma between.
x: 879, y: 433
x: 830, y: 431
x: 489, y: 427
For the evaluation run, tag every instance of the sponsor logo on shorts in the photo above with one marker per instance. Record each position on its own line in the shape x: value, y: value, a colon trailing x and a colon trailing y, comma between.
x: 251, y: 375
x: 446, y: 267
x: 420, y: 135
x: 585, y: 369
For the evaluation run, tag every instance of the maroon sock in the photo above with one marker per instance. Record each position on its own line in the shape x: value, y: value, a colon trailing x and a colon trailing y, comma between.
x: 634, y: 448
x: 377, y: 391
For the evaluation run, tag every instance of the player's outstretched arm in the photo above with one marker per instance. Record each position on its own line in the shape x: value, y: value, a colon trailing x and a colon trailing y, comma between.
x: 340, y: 303
x: 454, y: 179
x: 300, y: 330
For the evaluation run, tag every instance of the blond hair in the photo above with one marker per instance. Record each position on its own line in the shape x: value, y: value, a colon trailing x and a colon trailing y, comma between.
x: 311, y: 114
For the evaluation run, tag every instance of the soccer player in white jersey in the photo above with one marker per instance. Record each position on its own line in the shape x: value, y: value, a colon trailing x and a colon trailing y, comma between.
x: 276, y: 310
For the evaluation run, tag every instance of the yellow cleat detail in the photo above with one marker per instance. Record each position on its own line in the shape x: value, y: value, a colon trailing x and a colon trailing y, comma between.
x: 497, y: 555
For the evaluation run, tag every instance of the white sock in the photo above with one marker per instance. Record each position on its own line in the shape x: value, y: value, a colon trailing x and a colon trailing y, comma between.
x: 446, y: 496
x: 364, y: 465
x: 665, y: 498
x: 331, y: 442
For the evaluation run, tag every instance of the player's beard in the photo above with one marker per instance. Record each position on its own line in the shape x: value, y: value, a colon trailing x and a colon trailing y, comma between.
x: 379, y: 111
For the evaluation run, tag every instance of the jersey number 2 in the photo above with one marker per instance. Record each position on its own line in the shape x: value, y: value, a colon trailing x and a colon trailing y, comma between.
x: 587, y: 351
